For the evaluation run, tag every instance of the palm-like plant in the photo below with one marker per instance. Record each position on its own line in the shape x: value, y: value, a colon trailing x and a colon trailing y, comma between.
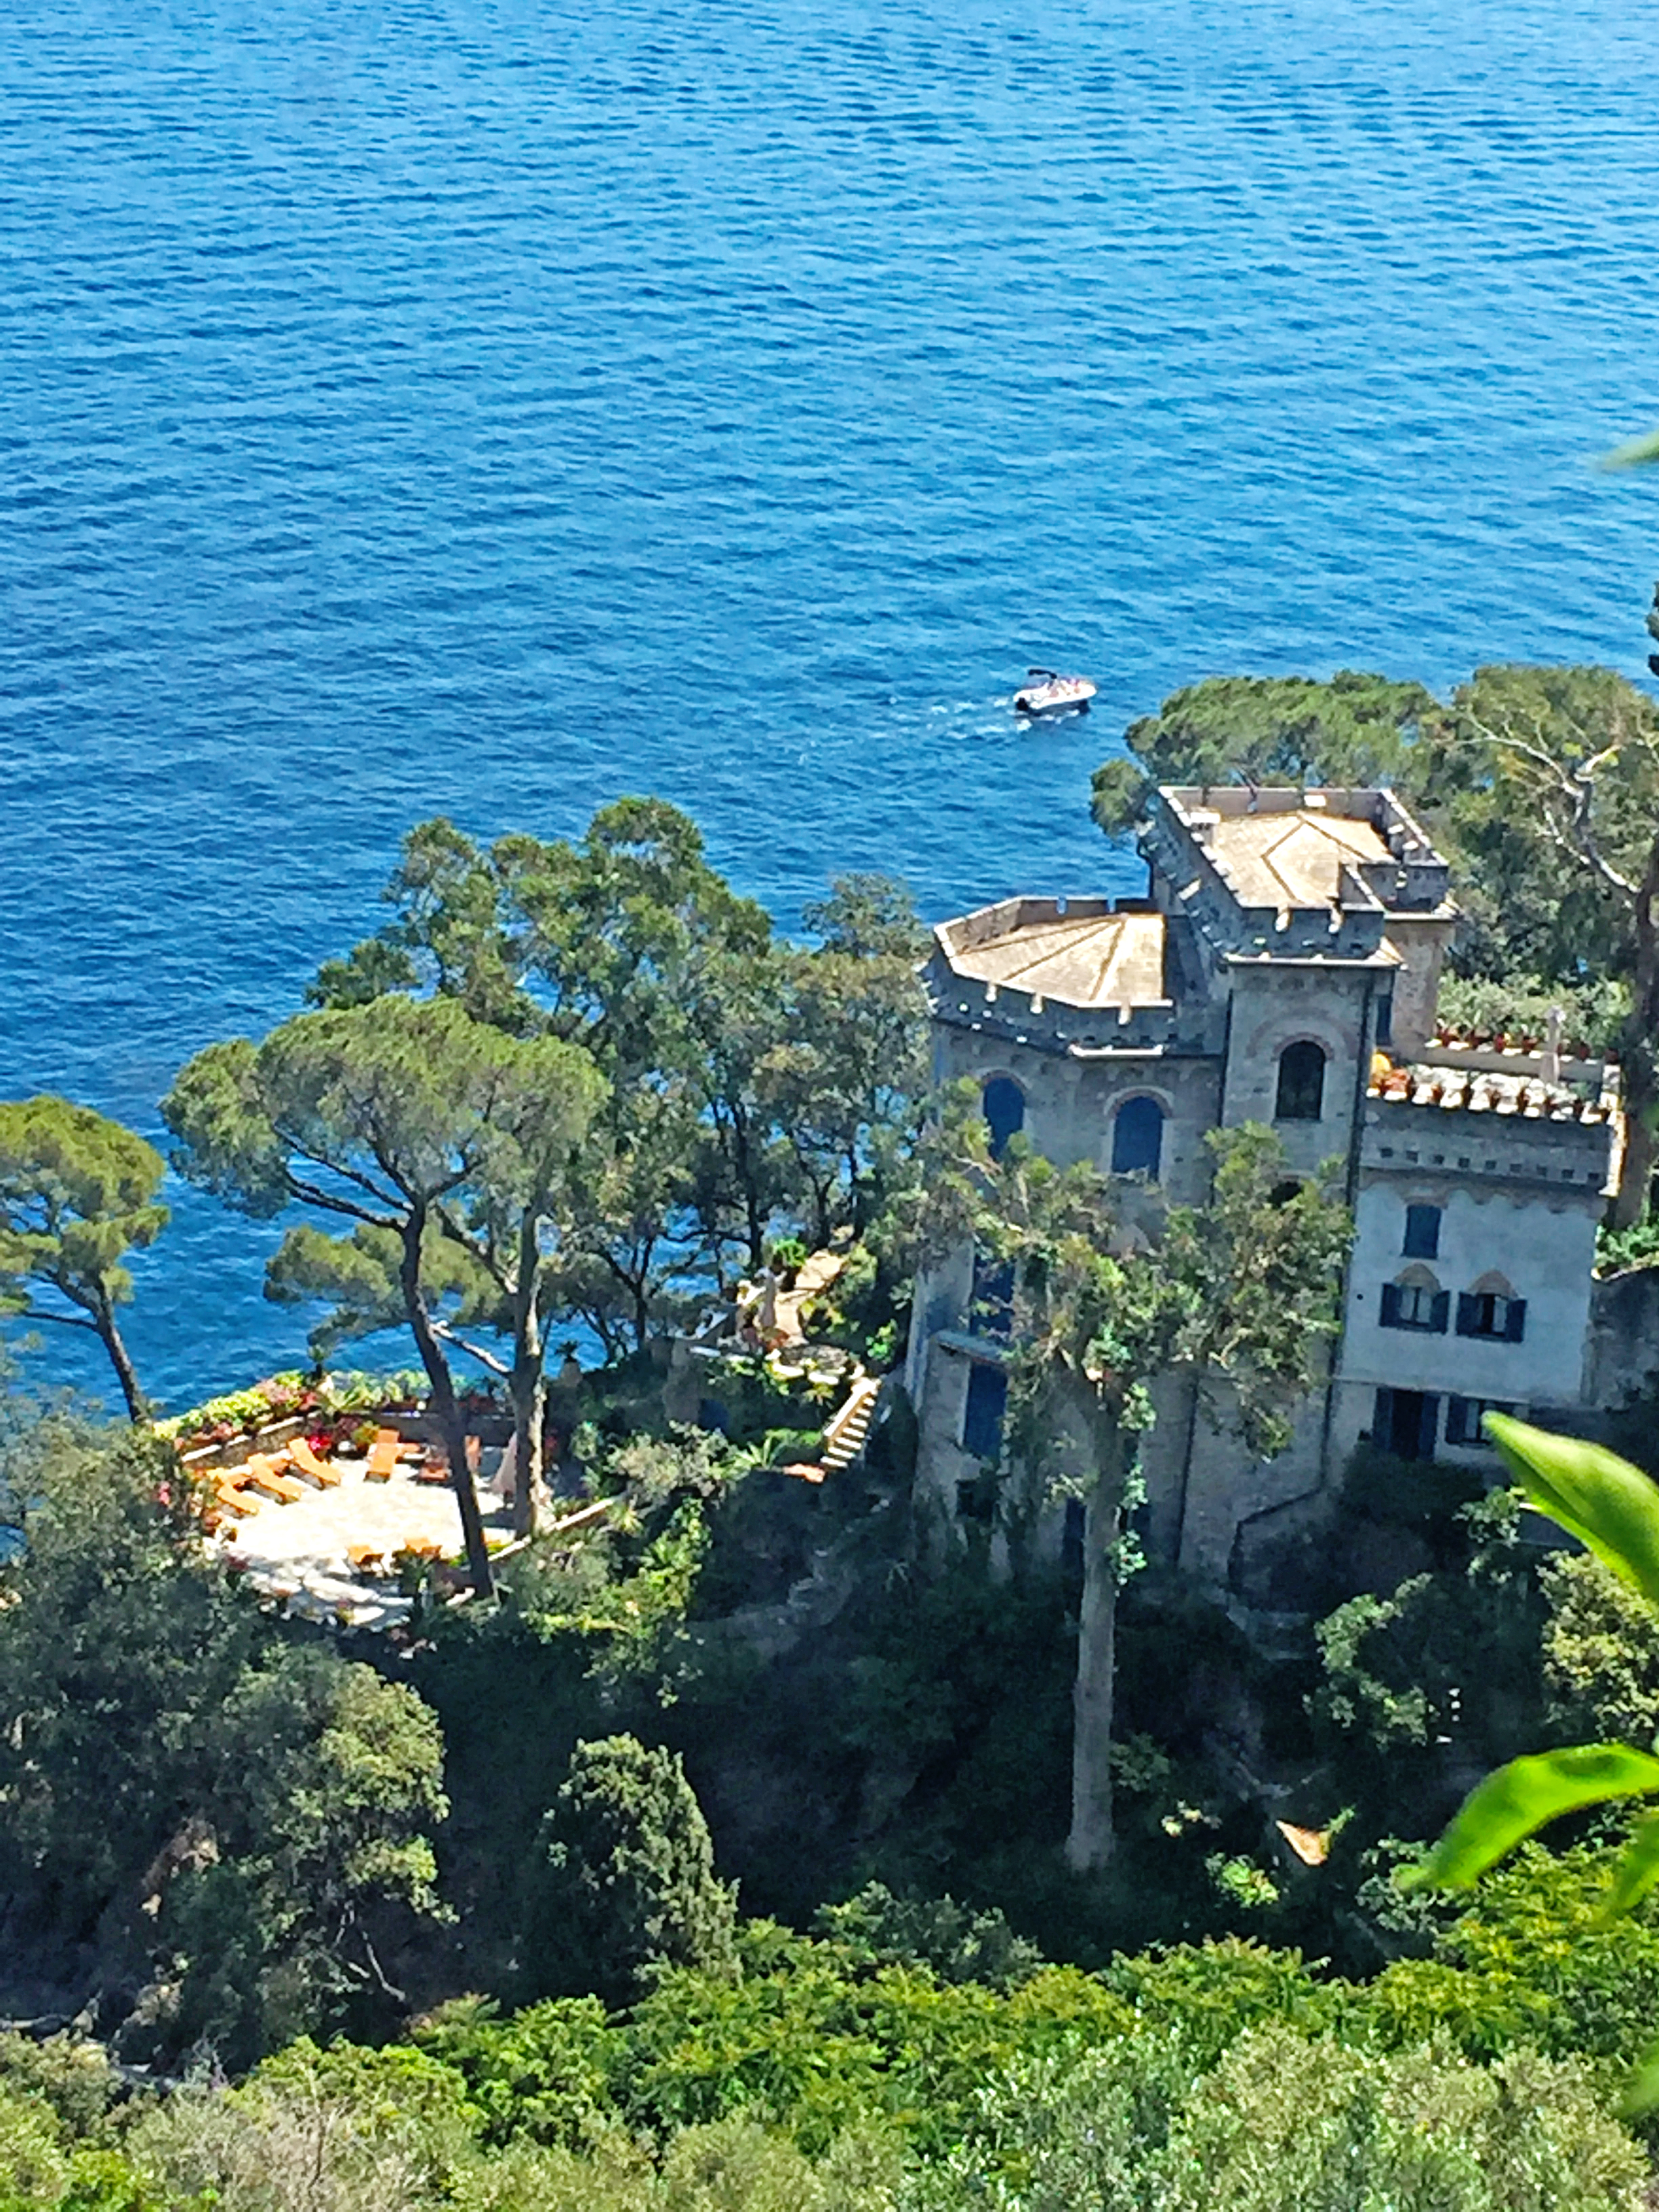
x: 1612, y: 1509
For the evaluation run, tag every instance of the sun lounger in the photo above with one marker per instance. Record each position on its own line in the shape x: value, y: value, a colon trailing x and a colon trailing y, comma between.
x: 266, y: 1475
x: 235, y: 1500
x: 383, y: 1457
x: 305, y: 1463
x: 365, y: 1559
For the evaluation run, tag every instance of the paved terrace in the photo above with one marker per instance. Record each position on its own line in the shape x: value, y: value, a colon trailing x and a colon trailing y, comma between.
x: 299, y: 1550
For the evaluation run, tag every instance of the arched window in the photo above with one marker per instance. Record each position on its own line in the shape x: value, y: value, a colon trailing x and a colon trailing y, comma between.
x: 1004, y: 1105
x: 1493, y: 1310
x: 1415, y: 1300
x: 1138, y: 1137
x: 1301, y: 1083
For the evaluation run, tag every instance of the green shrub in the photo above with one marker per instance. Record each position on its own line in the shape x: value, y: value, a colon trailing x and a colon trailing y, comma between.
x: 70, y: 2075
x: 1284, y: 2123
x: 1212, y: 1992
x: 1600, y: 1654
x: 625, y: 1885
x: 951, y: 1940
x: 820, y: 2046
x: 1529, y: 1962
x: 33, y: 2167
x: 543, y: 2075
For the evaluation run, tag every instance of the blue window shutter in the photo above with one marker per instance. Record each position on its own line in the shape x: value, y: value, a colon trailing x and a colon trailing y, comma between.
x: 1422, y: 1232
x: 1458, y: 1420
x: 1468, y: 1314
x: 1440, y: 1312
x: 1382, y: 1415
x: 987, y: 1400
x: 1428, y: 1435
x: 1516, y: 1324
x: 1390, y: 1305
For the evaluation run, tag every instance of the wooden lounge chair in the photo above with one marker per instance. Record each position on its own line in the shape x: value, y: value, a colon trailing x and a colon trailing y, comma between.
x: 383, y: 1457
x: 266, y: 1475
x: 316, y: 1471
x: 365, y: 1559
x: 234, y: 1499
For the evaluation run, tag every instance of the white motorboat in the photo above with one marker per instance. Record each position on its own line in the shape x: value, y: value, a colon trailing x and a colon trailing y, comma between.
x: 1051, y: 694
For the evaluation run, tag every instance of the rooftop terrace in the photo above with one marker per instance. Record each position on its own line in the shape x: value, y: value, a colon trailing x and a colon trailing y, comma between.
x: 1293, y: 859
x: 1077, y: 953
x: 1530, y: 1089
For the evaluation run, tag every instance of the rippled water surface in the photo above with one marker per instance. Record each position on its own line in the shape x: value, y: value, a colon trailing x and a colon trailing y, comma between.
x: 490, y: 408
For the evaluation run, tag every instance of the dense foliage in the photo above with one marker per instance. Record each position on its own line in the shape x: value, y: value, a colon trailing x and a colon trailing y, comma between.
x: 582, y: 1085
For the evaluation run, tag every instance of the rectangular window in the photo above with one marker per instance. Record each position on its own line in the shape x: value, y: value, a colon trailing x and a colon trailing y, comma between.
x: 1406, y: 1423
x: 1412, y: 1305
x: 1484, y: 1313
x: 1464, y: 1417
x: 988, y: 1402
x: 1422, y: 1232
x: 1385, y: 1019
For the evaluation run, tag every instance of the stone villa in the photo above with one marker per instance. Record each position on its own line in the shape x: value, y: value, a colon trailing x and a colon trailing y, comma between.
x: 1284, y: 967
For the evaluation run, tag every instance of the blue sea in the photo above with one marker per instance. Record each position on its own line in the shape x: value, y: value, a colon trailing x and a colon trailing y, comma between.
x: 488, y: 406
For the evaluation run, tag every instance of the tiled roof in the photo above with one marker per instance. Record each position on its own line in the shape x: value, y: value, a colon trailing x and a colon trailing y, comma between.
x: 1529, y: 1092
x: 1088, y: 960
x: 1288, y: 860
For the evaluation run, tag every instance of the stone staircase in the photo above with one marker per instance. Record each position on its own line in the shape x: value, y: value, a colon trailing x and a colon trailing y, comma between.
x: 844, y: 1436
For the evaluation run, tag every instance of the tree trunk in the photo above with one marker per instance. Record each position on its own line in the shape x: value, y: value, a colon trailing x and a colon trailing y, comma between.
x: 1638, y: 1077
x: 1088, y: 1846
x: 109, y: 1332
x: 528, y: 1385
x: 451, y: 1425
x: 529, y: 1389
x: 745, y: 1175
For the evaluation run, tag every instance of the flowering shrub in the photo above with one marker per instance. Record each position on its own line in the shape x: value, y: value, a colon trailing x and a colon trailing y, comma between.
x: 218, y: 1419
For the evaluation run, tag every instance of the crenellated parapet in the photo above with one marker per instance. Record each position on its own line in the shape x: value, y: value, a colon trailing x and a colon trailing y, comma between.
x: 1280, y: 875
x: 1077, y: 976
x: 1047, y: 1024
x: 1523, y: 1124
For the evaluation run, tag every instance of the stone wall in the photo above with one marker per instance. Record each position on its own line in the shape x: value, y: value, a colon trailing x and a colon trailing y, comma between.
x: 1070, y: 1102
x: 1237, y: 1503
x: 1274, y: 1007
x: 1624, y: 1341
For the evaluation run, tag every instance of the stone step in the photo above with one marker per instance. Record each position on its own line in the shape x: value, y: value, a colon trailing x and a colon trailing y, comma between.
x: 844, y: 1439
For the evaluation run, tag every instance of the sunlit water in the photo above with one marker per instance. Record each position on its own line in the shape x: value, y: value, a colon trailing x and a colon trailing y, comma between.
x: 487, y: 409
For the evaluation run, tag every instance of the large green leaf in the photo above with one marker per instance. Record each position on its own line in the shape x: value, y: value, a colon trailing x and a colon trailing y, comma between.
x: 1637, y: 1871
x: 1642, y: 2090
x: 1634, y: 452
x: 1523, y: 1797
x: 1609, y: 1504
